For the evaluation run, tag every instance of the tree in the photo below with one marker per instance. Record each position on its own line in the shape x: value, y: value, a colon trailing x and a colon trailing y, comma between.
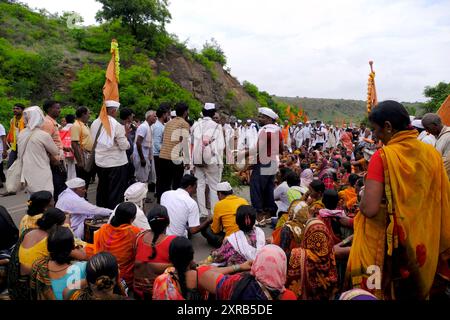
x: 214, y: 52
x: 437, y: 95
x: 136, y: 13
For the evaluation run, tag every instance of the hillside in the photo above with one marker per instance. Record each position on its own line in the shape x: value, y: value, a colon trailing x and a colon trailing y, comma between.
x: 338, y: 110
x: 41, y: 58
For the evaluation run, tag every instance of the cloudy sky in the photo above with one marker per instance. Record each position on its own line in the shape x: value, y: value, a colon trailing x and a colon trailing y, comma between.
x: 315, y: 48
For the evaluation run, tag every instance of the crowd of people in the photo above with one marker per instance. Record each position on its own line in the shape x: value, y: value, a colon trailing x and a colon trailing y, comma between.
x: 356, y: 213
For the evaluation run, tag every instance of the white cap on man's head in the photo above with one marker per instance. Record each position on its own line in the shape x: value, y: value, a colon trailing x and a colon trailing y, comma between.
x: 239, y: 121
x: 224, y: 187
x: 75, y: 183
x: 418, y: 124
x: 248, y: 120
x: 268, y: 112
x: 210, y: 106
x: 173, y: 114
x: 112, y: 104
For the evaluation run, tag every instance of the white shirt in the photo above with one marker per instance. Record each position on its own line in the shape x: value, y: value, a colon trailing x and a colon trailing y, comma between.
x: 2, y: 133
x: 183, y: 212
x: 209, y: 133
x: 280, y: 194
x: 443, y: 141
x: 320, y: 138
x: 114, y: 156
x: 427, y: 138
x: 144, y: 131
x: 140, y: 221
x: 79, y: 209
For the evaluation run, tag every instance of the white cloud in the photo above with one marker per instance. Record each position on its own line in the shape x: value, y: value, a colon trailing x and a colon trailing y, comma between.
x: 316, y: 48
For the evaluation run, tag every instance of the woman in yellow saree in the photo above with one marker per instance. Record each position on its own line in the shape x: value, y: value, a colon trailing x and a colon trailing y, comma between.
x: 402, y: 234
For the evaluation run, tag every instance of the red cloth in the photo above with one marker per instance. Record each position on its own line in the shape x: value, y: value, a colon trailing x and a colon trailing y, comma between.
x: 144, y: 251
x: 376, y: 170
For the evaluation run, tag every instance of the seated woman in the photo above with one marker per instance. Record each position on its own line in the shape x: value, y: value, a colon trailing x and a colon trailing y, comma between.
x: 152, y: 253
x: 118, y: 238
x: 51, y: 275
x: 313, y: 197
x: 32, y: 245
x: 289, y: 235
x: 243, y: 244
x: 312, y: 271
x: 103, y: 283
x: 265, y: 281
x: 39, y: 202
x: 295, y: 191
x: 349, y: 194
x: 280, y: 192
x: 179, y: 282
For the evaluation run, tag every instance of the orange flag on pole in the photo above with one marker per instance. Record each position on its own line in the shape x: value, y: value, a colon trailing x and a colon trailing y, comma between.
x: 111, y: 87
x: 372, y: 100
x: 444, y: 112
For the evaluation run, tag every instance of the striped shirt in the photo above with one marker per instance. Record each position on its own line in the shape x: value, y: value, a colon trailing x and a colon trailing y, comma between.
x: 174, y: 130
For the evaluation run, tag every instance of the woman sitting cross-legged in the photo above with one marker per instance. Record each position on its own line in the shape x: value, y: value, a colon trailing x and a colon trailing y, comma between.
x: 265, y: 281
x: 152, y: 253
x: 51, y: 275
x: 103, y: 283
x: 243, y: 244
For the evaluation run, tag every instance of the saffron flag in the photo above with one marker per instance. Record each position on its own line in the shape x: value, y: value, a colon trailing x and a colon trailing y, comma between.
x: 444, y: 112
x: 372, y: 100
x: 111, y: 87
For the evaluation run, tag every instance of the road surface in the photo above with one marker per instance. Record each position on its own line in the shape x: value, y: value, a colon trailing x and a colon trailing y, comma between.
x: 17, y: 207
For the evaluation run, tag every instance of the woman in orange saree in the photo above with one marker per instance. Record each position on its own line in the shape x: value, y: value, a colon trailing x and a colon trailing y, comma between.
x: 402, y: 234
x: 119, y: 238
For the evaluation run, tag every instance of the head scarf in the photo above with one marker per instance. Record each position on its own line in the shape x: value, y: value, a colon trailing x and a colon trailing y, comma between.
x: 270, y: 267
x: 34, y: 117
x: 306, y: 177
x: 357, y: 294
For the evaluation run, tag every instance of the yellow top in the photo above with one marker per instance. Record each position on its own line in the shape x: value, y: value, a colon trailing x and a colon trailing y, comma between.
x: 27, y: 256
x: 28, y: 222
x: 225, y: 215
x: 80, y: 132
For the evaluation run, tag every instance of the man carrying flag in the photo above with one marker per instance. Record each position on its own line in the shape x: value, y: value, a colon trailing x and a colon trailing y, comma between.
x: 110, y: 141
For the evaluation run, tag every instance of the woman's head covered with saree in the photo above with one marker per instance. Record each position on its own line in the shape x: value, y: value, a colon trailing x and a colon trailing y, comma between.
x: 411, y: 229
x: 34, y: 117
x: 312, y: 267
x: 269, y: 267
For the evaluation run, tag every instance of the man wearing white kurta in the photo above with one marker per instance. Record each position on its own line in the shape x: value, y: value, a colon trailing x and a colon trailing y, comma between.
x: 143, y: 154
x: 72, y: 201
x: 208, y: 145
x: 111, y: 159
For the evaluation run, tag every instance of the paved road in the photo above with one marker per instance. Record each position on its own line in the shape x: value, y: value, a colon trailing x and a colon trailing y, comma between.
x: 17, y: 207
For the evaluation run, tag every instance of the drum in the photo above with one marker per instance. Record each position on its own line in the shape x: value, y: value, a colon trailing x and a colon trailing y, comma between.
x: 92, y: 225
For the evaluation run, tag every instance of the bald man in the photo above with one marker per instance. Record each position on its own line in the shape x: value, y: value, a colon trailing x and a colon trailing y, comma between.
x: 433, y: 124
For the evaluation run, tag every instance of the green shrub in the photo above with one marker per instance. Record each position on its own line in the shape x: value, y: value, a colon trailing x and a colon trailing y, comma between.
x: 213, y: 52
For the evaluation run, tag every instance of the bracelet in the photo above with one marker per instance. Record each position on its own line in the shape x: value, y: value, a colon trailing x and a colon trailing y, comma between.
x: 236, y: 268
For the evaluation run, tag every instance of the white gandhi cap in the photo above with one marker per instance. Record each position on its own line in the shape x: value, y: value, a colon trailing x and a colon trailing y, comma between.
x: 224, y: 187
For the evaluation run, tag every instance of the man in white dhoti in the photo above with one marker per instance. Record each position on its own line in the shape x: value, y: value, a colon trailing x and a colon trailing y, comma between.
x: 143, y: 150
x: 208, y: 144
x: 72, y: 201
